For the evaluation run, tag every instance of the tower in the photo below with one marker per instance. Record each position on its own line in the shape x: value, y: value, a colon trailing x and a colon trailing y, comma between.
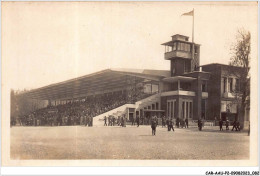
x: 184, y: 55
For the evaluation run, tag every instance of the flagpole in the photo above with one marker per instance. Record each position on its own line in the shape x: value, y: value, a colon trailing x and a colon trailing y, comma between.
x: 193, y: 26
x: 193, y: 48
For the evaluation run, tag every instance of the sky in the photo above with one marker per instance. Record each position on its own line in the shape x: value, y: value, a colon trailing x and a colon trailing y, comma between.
x: 50, y: 42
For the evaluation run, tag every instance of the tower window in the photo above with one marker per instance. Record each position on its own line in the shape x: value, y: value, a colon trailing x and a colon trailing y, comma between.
x: 196, y: 50
x: 237, y: 85
x: 204, y: 86
x: 174, y: 46
x: 184, y: 47
x: 230, y: 84
x: 224, y: 84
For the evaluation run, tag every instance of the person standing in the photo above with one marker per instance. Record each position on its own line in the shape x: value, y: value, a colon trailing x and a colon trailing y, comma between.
x: 220, y: 125
x: 109, y: 121
x: 118, y: 120
x: 105, y: 121
x: 167, y: 124
x: 186, y: 123
x: 234, y: 125
x: 171, y: 123
x: 153, y: 126
x: 86, y: 121
x: 163, y: 121
x: 227, y: 124
x: 114, y: 120
x: 91, y: 121
x: 177, y: 122
x: 124, y: 120
x: 137, y: 120
x: 238, y: 126
x: 200, y: 124
x: 133, y: 121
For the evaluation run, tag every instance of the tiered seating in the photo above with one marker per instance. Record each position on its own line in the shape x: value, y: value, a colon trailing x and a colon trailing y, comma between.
x: 81, y: 111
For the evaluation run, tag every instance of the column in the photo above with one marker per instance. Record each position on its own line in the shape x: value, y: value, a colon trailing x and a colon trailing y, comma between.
x: 197, y: 100
x: 188, y: 115
x: 184, y: 110
x: 227, y: 85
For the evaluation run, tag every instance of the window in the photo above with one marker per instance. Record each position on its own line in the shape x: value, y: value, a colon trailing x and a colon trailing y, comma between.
x: 184, y: 47
x: 204, y: 86
x: 224, y: 84
x: 186, y: 109
x: 195, y: 49
x: 171, y: 108
x: 179, y: 46
x: 237, y: 86
x: 187, y: 47
x: 174, y: 46
x: 230, y: 84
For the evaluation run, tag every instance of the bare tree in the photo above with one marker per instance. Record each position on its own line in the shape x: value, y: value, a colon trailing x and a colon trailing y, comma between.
x: 240, y: 67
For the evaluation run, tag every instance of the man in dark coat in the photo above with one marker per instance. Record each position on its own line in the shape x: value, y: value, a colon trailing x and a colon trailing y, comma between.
x: 153, y: 125
x: 227, y: 124
x: 118, y: 120
x: 137, y: 120
x: 200, y: 124
x: 177, y: 122
x: 105, y: 121
x: 171, y: 123
x: 234, y: 125
x: 238, y: 126
x: 109, y: 121
x: 124, y: 119
x: 167, y: 123
x: 186, y: 123
x: 220, y: 125
x: 182, y: 123
x: 114, y: 120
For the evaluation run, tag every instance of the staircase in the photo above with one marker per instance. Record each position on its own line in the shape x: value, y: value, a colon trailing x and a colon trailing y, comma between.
x: 99, y: 120
x: 147, y: 101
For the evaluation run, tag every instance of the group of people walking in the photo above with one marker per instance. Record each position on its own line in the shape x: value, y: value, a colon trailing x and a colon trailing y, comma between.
x: 179, y: 122
x: 166, y: 122
x: 113, y: 121
x: 236, y: 125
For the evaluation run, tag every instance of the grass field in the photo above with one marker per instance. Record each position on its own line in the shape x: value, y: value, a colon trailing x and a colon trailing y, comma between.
x: 79, y: 142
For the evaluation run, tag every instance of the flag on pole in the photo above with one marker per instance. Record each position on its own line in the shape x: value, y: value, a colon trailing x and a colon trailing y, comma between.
x: 191, y: 13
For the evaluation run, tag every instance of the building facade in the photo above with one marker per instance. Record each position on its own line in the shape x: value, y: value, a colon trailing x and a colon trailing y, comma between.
x: 186, y: 90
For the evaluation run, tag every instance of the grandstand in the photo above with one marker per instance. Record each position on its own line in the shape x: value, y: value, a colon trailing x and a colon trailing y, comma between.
x: 114, y: 92
x: 186, y: 91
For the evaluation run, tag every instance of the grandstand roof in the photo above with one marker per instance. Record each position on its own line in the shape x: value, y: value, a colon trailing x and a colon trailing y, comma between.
x: 95, y: 83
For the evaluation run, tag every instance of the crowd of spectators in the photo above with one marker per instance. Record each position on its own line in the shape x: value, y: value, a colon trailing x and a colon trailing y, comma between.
x: 79, y: 112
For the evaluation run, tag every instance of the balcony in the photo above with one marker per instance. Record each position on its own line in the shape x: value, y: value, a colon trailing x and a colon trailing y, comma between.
x: 176, y: 53
x: 178, y: 92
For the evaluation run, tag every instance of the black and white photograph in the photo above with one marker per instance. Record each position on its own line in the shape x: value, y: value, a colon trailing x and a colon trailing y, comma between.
x: 129, y: 83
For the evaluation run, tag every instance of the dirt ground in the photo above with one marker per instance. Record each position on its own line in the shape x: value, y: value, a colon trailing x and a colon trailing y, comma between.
x: 80, y: 142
